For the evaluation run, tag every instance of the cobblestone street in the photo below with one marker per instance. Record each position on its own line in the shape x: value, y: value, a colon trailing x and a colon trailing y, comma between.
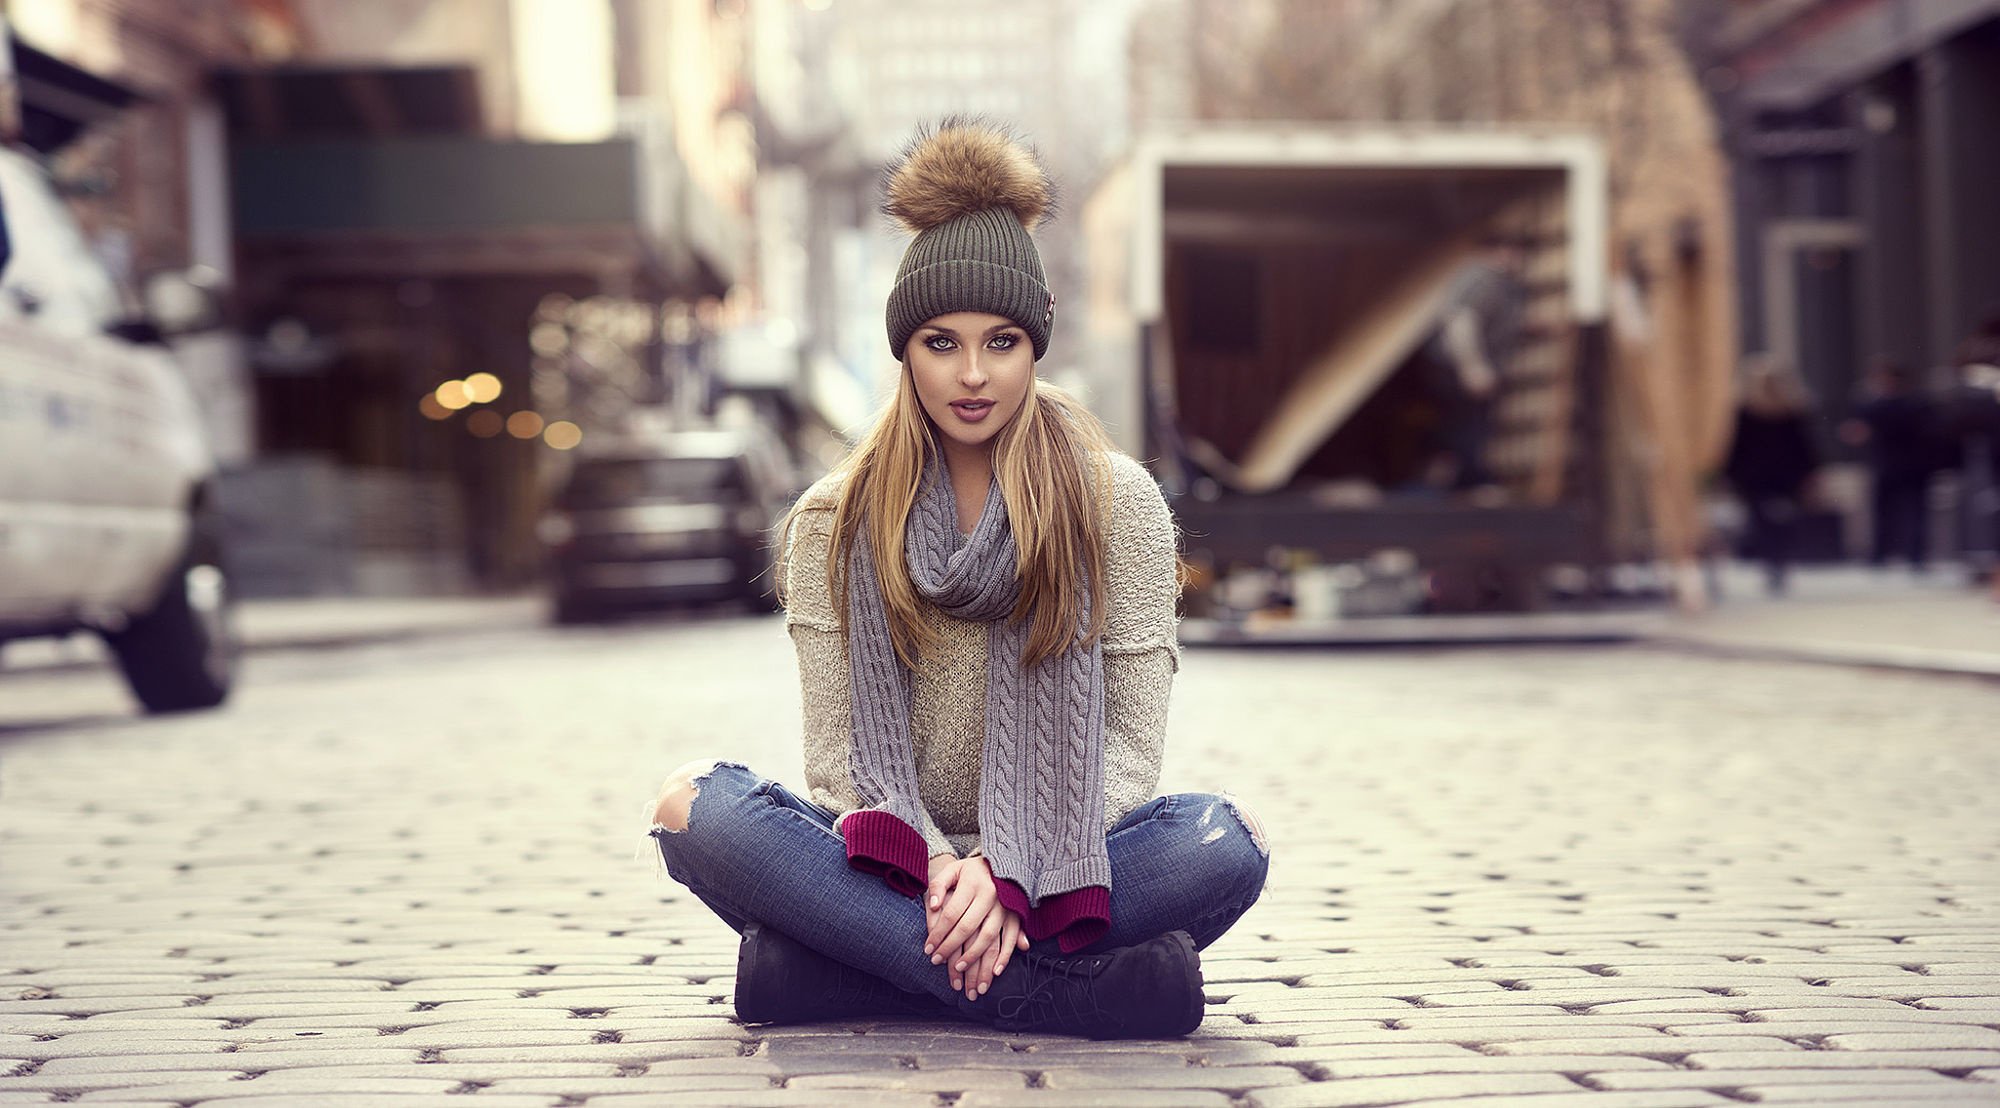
x: 1604, y: 877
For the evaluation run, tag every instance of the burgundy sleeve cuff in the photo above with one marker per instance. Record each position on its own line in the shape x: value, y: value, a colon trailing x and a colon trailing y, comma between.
x: 1076, y: 918
x: 881, y: 844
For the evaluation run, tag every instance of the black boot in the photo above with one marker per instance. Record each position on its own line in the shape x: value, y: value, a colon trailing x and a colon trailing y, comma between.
x: 780, y: 980
x: 1149, y: 991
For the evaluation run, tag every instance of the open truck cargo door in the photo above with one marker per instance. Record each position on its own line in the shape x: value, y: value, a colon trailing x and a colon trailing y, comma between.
x: 1282, y: 286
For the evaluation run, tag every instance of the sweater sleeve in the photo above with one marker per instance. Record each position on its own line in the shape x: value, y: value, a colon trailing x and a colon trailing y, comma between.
x: 828, y: 733
x: 1141, y: 643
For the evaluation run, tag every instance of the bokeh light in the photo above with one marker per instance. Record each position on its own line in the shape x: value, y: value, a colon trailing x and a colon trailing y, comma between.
x: 563, y: 435
x: 484, y: 423
x: 483, y: 388
x: 453, y: 395
x: 524, y: 424
x: 431, y: 408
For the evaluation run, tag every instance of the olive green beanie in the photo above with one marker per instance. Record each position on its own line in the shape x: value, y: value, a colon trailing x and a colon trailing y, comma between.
x: 971, y: 193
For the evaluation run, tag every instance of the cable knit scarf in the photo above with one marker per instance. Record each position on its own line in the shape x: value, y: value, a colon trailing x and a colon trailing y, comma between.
x: 1041, y: 789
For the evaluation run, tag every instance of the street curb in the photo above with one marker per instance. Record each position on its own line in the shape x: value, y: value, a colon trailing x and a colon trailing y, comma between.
x: 1905, y: 659
x: 99, y: 657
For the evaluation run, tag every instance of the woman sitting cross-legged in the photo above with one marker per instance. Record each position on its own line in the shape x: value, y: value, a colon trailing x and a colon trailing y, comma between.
x: 982, y: 597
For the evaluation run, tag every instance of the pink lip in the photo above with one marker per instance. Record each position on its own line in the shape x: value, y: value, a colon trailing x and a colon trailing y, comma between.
x: 971, y: 412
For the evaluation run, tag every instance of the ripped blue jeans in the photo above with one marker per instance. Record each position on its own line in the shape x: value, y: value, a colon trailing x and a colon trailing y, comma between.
x: 754, y: 851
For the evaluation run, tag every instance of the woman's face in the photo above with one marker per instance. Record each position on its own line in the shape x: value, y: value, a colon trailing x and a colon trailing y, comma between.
x: 972, y: 372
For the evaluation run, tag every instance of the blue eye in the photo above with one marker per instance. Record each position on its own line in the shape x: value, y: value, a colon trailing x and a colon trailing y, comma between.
x: 1010, y: 340
x: 932, y: 342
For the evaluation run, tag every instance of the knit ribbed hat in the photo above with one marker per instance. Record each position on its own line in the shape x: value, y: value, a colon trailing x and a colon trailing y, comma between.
x: 970, y: 192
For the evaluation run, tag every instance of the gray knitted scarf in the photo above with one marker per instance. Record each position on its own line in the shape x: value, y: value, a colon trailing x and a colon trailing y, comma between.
x: 1041, y: 789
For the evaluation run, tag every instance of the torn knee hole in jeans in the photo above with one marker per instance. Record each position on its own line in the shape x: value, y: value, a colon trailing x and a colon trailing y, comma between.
x: 674, y: 809
x: 1249, y: 823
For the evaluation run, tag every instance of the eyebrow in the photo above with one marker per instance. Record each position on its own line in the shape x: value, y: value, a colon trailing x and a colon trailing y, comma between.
x: 994, y: 330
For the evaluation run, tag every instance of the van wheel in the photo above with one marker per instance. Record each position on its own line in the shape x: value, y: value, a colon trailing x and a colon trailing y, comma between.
x: 570, y: 610
x: 181, y: 655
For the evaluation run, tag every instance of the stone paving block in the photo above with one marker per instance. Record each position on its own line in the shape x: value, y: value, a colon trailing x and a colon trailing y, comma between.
x: 1808, y: 1026
x: 675, y: 1028
x: 808, y: 1063
x: 56, y: 1006
x: 1225, y: 1078
x: 611, y: 1089
x: 483, y: 1072
x: 615, y: 1053
x: 1393, y: 990
x: 1743, y: 1077
x: 1848, y: 1059
x: 891, y: 1042
x: 1006, y: 1060
x: 1491, y: 1063
x: 84, y: 1046
x: 1536, y: 1029
x: 1706, y: 1002
x: 919, y: 1080
x: 1889, y: 1094
x: 254, y: 1038
x: 1539, y: 1017
x: 39, y: 1084
x: 1309, y: 1056
x: 487, y: 1099
x: 1938, y: 1038
x: 447, y: 1036
x: 245, y: 1061
x: 1398, y: 1090
x: 1094, y: 1098
x: 1653, y: 1099
x: 774, y: 1098
x: 1655, y: 1045
x: 59, y: 1026
x: 357, y: 1090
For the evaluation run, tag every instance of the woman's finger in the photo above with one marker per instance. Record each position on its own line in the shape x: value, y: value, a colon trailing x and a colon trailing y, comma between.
x: 1010, y: 935
x: 968, y: 923
x: 940, y: 885
x: 989, y: 961
x: 983, y: 940
x: 950, y: 919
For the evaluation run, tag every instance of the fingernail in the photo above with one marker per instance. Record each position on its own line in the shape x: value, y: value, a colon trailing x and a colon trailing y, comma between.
x: 982, y: 990
x: 960, y: 967
x: 934, y: 902
x: 937, y: 959
x: 928, y: 948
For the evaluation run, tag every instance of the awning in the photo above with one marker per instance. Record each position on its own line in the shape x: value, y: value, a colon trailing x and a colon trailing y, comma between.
x: 59, y: 101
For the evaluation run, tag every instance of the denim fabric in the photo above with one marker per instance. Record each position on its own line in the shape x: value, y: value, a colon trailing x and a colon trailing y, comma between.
x: 753, y: 851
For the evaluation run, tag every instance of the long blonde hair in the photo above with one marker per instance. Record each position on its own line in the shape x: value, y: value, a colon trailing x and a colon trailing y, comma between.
x: 1052, y: 465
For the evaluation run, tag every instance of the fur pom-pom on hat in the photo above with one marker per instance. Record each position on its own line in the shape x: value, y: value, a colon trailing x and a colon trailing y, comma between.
x: 963, y: 166
x: 970, y: 192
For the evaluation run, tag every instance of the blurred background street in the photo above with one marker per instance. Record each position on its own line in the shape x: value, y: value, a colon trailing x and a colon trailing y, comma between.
x: 1583, y: 419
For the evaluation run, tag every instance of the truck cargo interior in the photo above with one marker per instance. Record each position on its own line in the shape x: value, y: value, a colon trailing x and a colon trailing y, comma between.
x: 1299, y: 303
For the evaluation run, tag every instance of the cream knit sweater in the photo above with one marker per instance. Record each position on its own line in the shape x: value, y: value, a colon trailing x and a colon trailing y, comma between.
x: 948, y: 710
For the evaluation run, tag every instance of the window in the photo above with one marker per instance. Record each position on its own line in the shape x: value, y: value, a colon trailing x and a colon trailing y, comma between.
x: 52, y: 276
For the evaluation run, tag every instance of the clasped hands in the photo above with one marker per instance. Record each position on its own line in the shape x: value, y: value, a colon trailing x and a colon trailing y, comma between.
x: 969, y: 931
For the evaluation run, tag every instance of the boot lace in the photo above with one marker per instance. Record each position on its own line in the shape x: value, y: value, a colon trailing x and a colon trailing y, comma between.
x: 1064, y: 994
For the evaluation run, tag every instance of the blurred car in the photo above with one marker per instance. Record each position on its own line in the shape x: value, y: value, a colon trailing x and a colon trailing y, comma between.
x: 107, y: 513
x: 681, y: 517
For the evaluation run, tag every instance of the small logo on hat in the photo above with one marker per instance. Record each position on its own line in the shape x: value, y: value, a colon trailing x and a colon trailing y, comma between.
x: 1050, y: 314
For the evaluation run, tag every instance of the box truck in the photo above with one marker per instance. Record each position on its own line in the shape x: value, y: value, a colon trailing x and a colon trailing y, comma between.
x: 1367, y: 364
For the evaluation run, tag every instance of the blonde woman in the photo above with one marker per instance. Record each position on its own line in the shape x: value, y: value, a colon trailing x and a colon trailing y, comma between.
x: 982, y: 600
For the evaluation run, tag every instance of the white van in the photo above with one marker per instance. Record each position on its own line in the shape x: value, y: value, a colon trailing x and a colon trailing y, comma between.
x: 107, y: 516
